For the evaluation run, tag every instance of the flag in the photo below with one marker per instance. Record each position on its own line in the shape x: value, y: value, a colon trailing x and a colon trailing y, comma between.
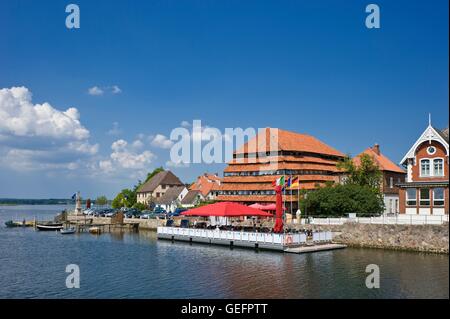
x: 294, y: 183
x: 279, y: 181
x: 288, y: 182
x: 74, y: 196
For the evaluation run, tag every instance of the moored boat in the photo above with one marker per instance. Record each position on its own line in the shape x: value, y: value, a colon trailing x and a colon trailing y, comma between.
x: 50, y: 226
x: 95, y: 230
x: 11, y: 223
x: 66, y: 231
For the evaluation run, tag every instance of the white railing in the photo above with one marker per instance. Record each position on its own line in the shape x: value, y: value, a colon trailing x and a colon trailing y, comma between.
x: 268, y: 238
x: 384, y: 220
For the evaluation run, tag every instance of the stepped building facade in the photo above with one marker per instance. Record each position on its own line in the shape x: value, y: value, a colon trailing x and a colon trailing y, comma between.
x: 271, y: 154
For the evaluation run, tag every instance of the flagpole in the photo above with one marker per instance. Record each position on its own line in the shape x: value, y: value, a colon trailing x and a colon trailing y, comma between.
x: 290, y: 187
x: 284, y: 203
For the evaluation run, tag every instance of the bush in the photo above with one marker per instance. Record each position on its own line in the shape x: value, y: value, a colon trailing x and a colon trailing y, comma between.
x: 340, y: 200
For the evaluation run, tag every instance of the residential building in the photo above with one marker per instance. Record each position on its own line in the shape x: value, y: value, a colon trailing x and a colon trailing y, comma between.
x: 172, y: 198
x: 425, y: 191
x: 157, y: 186
x: 192, y: 198
x: 208, y: 185
x: 271, y: 154
x: 392, y: 175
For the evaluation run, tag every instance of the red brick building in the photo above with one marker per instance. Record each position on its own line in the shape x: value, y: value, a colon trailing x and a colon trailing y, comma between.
x: 272, y: 154
x: 425, y: 191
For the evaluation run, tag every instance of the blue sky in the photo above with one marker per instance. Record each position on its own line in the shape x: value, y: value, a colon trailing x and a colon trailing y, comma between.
x: 306, y: 66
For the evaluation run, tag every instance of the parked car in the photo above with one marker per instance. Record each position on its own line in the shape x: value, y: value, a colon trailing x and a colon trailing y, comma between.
x: 177, y: 212
x: 145, y: 214
x: 133, y: 213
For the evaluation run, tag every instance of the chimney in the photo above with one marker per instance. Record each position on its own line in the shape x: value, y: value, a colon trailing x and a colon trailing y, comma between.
x: 376, y: 148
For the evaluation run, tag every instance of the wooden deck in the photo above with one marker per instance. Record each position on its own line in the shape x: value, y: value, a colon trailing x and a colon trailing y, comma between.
x: 313, y: 248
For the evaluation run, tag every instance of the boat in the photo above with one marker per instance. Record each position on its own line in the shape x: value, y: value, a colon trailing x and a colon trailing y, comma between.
x: 94, y: 230
x: 66, y: 231
x: 49, y: 226
x: 11, y: 223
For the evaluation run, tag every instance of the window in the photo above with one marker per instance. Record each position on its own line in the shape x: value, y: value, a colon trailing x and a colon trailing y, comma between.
x: 411, y: 197
x: 431, y: 150
x: 425, y: 167
x: 438, y: 197
x: 438, y: 167
x: 424, y: 197
x: 391, y: 182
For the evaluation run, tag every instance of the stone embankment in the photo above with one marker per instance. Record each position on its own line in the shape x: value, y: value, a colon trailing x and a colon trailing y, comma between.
x: 423, y: 238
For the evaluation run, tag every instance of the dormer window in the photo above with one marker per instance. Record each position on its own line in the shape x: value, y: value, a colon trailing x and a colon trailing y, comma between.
x: 425, y: 167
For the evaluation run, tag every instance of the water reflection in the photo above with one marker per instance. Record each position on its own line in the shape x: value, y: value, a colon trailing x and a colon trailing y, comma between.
x: 137, y: 265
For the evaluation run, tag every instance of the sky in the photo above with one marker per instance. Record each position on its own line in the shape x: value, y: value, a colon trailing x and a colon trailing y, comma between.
x: 92, y: 109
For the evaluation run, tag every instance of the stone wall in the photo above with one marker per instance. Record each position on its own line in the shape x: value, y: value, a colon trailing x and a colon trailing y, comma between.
x: 424, y: 238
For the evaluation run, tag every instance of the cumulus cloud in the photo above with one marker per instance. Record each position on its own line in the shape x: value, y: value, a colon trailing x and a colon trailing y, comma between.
x: 161, y: 141
x: 20, y: 117
x: 125, y: 156
x: 39, y: 136
x: 185, y: 124
x: 95, y: 90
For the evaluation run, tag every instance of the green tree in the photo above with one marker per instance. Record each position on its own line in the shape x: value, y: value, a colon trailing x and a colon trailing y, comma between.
x: 341, y: 199
x: 366, y: 173
x: 101, y: 200
x: 126, y: 198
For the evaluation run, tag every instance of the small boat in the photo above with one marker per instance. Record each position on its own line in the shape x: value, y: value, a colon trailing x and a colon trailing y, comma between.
x: 11, y: 223
x: 95, y: 230
x: 66, y: 231
x: 50, y: 226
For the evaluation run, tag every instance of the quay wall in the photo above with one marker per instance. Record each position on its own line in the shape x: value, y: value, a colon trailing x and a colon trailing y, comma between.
x: 422, y: 238
x: 147, y: 224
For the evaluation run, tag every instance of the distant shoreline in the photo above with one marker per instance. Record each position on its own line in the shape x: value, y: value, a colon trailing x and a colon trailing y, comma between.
x: 50, y: 201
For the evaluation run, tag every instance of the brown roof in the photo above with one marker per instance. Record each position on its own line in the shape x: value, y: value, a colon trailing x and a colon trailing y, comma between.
x: 383, y: 163
x: 287, y: 141
x: 278, y: 166
x: 270, y: 178
x: 170, y: 195
x: 206, y: 183
x: 444, y: 134
x: 191, y: 197
x: 162, y: 178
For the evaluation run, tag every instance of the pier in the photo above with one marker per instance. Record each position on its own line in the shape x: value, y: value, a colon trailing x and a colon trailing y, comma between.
x: 292, y: 243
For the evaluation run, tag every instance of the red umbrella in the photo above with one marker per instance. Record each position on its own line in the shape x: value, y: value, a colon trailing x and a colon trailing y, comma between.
x: 226, y: 209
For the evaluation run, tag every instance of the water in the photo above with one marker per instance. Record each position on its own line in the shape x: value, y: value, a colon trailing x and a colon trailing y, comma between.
x: 32, y: 265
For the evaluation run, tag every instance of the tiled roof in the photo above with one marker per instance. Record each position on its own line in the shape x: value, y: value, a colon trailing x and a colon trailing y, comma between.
x: 287, y: 141
x: 384, y: 163
x: 162, y: 178
x: 190, y: 197
x: 170, y: 195
x: 444, y: 134
x: 206, y: 183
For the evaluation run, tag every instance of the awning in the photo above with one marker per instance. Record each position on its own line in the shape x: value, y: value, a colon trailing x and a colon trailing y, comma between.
x: 226, y: 209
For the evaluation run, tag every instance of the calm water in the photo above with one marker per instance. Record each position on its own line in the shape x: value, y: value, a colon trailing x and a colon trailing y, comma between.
x: 32, y: 265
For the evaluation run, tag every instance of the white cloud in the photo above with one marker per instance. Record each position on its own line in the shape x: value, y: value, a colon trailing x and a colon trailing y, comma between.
x: 126, y: 157
x: 116, y: 89
x: 177, y: 165
x: 95, y: 90
x: 161, y: 141
x: 39, y: 136
x: 19, y: 117
x: 185, y: 124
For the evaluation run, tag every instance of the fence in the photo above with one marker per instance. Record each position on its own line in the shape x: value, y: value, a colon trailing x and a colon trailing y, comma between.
x: 382, y: 220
